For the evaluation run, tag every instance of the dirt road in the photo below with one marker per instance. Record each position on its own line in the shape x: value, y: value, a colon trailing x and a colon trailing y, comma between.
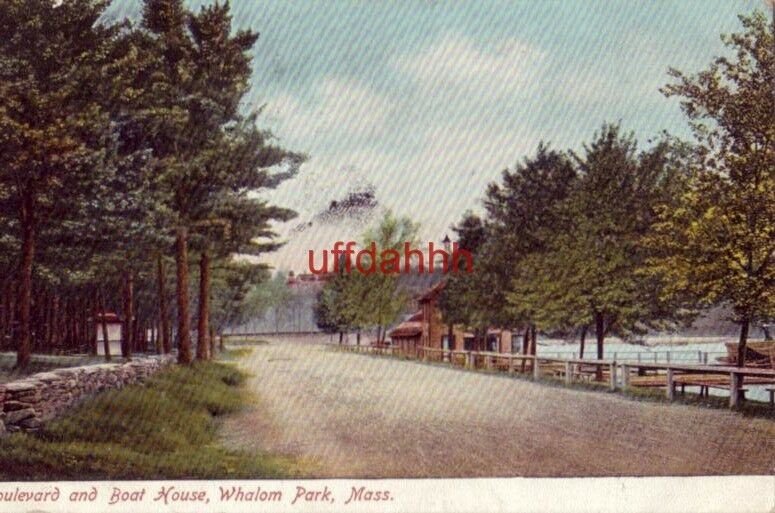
x: 360, y: 416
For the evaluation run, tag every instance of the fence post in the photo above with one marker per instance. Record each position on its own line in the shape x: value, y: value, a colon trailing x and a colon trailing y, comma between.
x: 612, y: 373
x: 470, y: 360
x: 511, y: 364
x: 625, y: 376
x: 536, y: 368
x: 670, y: 385
x: 735, y: 380
x: 567, y: 373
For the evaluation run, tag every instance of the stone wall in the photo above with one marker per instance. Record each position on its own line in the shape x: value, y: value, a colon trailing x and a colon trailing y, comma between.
x: 26, y: 403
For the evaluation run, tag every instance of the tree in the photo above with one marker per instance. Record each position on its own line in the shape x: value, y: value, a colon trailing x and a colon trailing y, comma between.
x: 591, y: 267
x: 189, y: 100
x: 232, y: 284
x: 464, y: 299
x: 55, y: 89
x: 719, y: 244
x: 332, y: 312
x: 231, y: 218
x: 356, y: 300
x: 522, y: 219
x: 269, y: 296
x: 378, y: 299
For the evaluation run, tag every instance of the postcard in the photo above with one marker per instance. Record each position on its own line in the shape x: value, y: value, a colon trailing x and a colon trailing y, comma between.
x: 410, y: 256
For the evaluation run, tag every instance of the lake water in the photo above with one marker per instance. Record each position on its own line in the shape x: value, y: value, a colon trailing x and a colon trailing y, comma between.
x: 658, y: 349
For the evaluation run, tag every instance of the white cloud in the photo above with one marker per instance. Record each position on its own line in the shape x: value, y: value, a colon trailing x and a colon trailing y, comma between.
x: 429, y: 149
x: 336, y: 109
x: 434, y: 186
x: 508, y: 67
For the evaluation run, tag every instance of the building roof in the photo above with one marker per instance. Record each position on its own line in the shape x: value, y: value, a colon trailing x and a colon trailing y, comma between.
x: 407, y: 329
x: 416, y: 316
x: 433, y: 292
x: 110, y: 317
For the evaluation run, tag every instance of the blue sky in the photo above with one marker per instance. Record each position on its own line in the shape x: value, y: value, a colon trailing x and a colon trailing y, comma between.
x: 430, y: 101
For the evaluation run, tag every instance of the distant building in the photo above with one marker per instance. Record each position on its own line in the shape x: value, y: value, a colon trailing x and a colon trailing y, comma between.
x: 408, y: 334
x: 425, y: 328
x: 115, y: 325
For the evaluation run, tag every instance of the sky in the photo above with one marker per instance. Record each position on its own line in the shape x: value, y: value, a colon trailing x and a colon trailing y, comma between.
x: 427, y: 102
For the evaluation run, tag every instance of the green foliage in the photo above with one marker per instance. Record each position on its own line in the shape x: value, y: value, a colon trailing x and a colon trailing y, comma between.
x: 465, y: 299
x: 718, y: 244
x: 114, y: 137
x: 163, y: 429
x: 520, y: 219
x: 590, y: 269
x: 233, y: 282
x: 354, y: 300
x: 378, y: 300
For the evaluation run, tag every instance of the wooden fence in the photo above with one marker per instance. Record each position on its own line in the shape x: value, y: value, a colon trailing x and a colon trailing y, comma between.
x: 617, y: 375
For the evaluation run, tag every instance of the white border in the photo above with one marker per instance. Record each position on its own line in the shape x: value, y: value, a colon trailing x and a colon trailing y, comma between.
x: 739, y: 494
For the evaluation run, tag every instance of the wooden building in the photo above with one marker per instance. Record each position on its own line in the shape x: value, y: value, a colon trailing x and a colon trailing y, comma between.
x: 425, y: 328
x: 408, y: 334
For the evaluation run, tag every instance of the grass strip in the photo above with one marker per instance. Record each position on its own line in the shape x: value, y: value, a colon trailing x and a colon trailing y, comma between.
x: 165, y: 428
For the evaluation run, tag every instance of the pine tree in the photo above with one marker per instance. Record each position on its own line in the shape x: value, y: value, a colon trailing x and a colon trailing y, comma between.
x: 55, y: 79
x: 190, y: 97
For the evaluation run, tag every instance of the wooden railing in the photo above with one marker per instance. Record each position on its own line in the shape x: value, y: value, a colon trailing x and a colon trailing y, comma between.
x: 616, y: 374
x: 673, y: 372
x: 670, y: 356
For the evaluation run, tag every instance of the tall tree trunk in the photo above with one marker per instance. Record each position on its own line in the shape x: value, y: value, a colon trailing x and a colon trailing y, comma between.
x: 341, y: 337
x: 90, y: 324
x: 55, y: 327
x: 526, y: 341
x: 23, y: 337
x: 450, y: 337
x: 743, y: 342
x: 164, y: 316
x: 600, y: 334
x: 583, y: 340
x: 525, y: 345
x: 49, y: 321
x: 52, y: 319
x: 142, y: 336
x: 127, y: 338
x: 533, y: 339
x: 104, y: 322
x: 358, y: 337
x: 203, y: 327
x: 184, y: 326
x: 7, y: 307
x: 72, y: 322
